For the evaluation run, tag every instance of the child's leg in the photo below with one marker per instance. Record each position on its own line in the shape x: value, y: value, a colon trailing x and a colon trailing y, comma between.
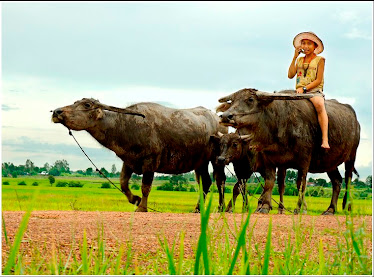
x: 319, y: 105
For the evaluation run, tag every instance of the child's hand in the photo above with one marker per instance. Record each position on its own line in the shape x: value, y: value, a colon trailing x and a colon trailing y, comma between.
x: 300, y: 90
x: 297, y: 51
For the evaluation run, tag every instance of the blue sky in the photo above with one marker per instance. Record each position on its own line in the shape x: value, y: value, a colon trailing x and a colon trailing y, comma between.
x: 181, y: 54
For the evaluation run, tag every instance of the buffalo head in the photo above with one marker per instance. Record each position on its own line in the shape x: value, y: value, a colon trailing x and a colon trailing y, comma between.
x: 230, y: 147
x: 239, y: 107
x: 84, y: 114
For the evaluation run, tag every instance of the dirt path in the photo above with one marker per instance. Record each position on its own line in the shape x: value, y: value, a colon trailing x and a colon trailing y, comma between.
x: 58, y: 228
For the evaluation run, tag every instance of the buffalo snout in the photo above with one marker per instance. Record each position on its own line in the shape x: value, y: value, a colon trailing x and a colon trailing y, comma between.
x: 57, y: 112
x: 221, y: 160
x: 227, y: 118
x: 57, y: 115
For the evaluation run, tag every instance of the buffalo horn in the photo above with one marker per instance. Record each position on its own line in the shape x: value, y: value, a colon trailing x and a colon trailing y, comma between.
x: 283, y: 96
x: 246, y: 137
x: 226, y: 98
x: 220, y: 134
x: 119, y: 110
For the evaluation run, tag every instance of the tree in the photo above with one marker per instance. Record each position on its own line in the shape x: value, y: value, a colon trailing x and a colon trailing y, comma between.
x: 321, y: 182
x: 89, y: 171
x: 291, y: 176
x: 114, y: 169
x: 29, y: 166
x: 104, y: 171
x: 51, y: 179
x: 62, y: 166
x: 368, y: 181
x: 46, y: 167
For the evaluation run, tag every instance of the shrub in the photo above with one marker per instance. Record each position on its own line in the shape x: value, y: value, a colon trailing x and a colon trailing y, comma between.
x: 252, y: 188
x: 22, y: 183
x: 105, y: 185
x: 61, y: 184
x: 74, y: 184
x: 166, y: 187
x: 316, y: 192
x: 135, y: 187
x: 6, y: 183
x: 291, y: 189
x: 192, y: 189
x: 35, y: 184
x: 215, y: 189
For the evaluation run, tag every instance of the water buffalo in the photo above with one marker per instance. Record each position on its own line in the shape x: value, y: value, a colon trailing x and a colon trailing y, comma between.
x: 235, y: 148
x: 161, y: 139
x: 287, y: 134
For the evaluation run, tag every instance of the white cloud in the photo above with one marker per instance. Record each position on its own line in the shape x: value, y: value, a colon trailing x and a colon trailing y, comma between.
x: 355, y: 33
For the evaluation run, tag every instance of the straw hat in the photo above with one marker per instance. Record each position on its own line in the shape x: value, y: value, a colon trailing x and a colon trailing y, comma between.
x: 311, y: 36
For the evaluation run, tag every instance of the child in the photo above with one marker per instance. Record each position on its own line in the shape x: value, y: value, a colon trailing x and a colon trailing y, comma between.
x: 310, y: 69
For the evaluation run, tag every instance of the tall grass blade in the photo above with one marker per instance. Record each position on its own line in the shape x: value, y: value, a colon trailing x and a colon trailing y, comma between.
x: 265, y: 268
x: 321, y: 259
x: 202, y: 247
x: 4, y: 230
x: 84, y: 254
x: 240, y: 243
x: 181, y: 254
x: 10, y: 265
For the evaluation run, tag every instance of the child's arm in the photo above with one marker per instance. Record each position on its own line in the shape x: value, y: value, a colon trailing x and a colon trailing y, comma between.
x: 292, y: 70
x: 320, y: 71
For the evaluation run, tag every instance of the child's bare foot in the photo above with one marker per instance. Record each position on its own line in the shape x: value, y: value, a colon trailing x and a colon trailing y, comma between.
x: 325, y: 145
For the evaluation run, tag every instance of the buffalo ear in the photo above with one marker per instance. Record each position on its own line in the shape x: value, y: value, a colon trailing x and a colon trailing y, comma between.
x: 215, y: 139
x: 99, y: 114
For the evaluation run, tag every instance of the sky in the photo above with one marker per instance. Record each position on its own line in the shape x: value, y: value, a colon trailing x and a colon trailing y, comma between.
x: 179, y: 54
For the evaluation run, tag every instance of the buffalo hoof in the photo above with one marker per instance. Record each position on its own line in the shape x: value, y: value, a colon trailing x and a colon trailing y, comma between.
x: 327, y: 213
x: 262, y: 211
x: 136, y: 200
x: 221, y: 209
x: 196, y: 211
x: 141, y: 209
x: 230, y: 210
x: 297, y: 211
x: 281, y: 211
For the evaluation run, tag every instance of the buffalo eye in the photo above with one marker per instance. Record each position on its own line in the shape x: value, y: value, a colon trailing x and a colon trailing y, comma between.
x: 235, y: 145
x: 250, y: 100
x: 87, y: 105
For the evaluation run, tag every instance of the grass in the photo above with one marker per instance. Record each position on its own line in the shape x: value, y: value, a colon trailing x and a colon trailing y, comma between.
x: 212, y: 256
x: 93, y: 198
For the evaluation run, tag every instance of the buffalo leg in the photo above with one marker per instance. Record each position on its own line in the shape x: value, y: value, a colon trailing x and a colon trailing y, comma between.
x: 146, y: 189
x: 219, y: 173
x: 235, y: 193
x: 124, y: 180
x: 349, y: 165
x: 205, y: 179
x: 264, y: 203
x: 336, y: 181
x: 301, y: 186
x: 281, y: 176
x: 243, y: 190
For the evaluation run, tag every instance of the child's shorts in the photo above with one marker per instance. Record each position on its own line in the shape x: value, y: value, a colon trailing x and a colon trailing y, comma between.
x: 317, y: 93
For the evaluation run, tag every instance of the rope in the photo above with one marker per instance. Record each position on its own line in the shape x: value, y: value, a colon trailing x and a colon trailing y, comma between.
x: 98, y: 170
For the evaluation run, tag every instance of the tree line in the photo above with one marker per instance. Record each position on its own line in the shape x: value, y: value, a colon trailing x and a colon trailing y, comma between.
x: 61, y: 167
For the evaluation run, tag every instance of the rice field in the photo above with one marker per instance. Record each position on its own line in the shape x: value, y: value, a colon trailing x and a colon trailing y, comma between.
x: 235, y: 252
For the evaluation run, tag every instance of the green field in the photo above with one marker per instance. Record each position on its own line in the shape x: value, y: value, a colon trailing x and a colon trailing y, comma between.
x: 91, y: 197
x: 351, y: 256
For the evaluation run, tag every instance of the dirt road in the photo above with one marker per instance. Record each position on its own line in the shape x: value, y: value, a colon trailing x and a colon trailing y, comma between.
x: 60, y: 228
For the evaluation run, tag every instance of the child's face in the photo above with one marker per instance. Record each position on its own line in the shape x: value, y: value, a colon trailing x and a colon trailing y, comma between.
x: 308, y: 46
